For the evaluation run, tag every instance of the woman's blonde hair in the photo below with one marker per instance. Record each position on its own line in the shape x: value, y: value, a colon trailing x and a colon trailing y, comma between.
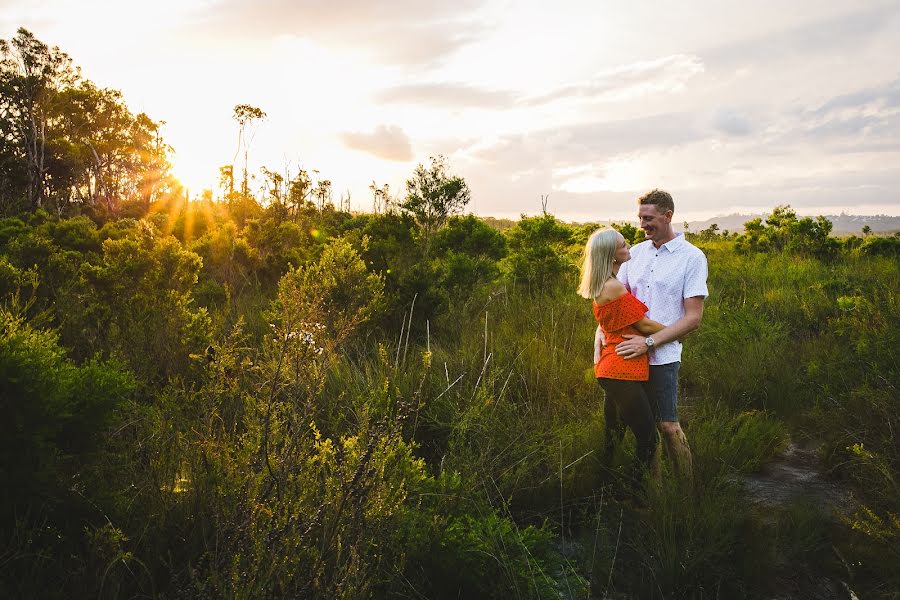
x: 596, y: 269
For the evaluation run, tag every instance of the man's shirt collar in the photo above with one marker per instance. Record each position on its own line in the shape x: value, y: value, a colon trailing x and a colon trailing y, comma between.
x: 674, y: 244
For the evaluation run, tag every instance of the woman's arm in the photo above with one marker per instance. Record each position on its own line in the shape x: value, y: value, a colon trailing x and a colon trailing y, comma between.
x: 648, y: 326
x: 613, y: 290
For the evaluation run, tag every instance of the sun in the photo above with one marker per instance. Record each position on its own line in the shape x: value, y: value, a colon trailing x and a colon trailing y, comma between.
x: 194, y: 175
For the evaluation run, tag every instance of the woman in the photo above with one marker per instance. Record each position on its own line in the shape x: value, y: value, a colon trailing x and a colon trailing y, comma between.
x: 619, y: 313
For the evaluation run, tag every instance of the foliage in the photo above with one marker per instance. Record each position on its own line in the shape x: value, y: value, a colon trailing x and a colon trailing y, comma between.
x: 539, y: 256
x: 54, y: 411
x: 432, y: 196
x: 134, y: 301
x: 67, y: 142
x: 880, y: 246
x: 297, y: 444
x: 633, y: 235
x: 265, y: 396
x: 782, y: 230
x: 467, y: 252
x: 56, y: 416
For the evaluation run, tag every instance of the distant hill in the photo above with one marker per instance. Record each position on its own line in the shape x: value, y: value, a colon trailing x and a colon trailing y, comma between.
x: 843, y: 224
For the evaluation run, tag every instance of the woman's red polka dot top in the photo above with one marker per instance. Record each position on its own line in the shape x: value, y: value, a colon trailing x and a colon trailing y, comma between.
x: 617, y: 318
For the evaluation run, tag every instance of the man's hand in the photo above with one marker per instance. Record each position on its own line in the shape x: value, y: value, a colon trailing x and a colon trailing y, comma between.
x: 632, y: 347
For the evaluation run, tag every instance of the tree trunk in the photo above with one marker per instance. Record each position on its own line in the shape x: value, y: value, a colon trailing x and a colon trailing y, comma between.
x: 36, y: 151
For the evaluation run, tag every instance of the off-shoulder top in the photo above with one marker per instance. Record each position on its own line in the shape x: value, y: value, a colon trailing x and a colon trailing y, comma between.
x: 617, y: 318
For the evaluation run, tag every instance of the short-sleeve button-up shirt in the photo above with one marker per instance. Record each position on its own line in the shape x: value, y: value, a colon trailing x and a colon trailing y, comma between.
x: 662, y: 278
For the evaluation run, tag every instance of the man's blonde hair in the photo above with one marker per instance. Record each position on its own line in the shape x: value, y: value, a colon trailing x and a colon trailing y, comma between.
x: 596, y: 268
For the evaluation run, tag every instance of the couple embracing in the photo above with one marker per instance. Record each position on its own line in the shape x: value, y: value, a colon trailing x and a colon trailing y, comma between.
x: 645, y: 300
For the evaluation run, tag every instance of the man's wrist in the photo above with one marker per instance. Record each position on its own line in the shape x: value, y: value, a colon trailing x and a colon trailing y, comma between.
x: 649, y: 342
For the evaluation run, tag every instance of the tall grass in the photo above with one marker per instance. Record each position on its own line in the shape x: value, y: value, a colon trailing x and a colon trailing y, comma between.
x: 315, y: 449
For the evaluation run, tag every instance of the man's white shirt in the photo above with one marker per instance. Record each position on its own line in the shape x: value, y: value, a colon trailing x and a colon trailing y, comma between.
x: 662, y: 278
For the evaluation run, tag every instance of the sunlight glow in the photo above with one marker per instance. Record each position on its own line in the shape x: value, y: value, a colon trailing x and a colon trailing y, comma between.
x: 620, y: 175
x: 193, y: 174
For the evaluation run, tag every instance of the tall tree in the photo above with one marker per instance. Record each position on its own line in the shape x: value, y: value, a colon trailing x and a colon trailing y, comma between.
x: 32, y: 75
x: 323, y: 193
x: 63, y: 139
x: 432, y: 196
x: 299, y: 190
x: 246, y: 115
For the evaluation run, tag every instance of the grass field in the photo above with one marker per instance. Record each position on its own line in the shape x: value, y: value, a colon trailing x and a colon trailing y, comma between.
x: 256, y: 411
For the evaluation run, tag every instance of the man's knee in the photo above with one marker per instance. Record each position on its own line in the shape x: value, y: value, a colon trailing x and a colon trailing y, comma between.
x: 671, y: 430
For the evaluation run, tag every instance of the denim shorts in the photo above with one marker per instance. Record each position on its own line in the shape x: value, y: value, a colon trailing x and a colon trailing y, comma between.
x: 662, y: 391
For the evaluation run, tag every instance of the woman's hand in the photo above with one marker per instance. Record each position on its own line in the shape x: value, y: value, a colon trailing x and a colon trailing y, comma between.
x: 632, y: 347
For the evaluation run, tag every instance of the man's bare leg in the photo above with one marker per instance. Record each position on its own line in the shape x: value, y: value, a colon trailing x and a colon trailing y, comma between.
x: 677, y: 448
x: 655, y: 467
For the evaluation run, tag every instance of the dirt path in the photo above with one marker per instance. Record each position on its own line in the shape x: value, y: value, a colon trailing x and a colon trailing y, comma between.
x: 797, y: 472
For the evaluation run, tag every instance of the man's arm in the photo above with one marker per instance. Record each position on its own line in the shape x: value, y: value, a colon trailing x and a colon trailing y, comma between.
x: 634, y: 345
x: 599, y: 340
x: 648, y: 327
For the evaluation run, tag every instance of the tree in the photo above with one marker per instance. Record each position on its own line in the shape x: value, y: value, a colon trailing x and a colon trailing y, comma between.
x: 323, y: 192
x: 538, y: 253
x: 32, y: 76
x: 274, y: 183
x: 104, y: 153
x: 783, y: 231
x: 632, y: 234
x: 245, y: 115
x: 866, y: 231
x: 432, y: 196
x: 710, y: 233
x: 381, y: 198
x: 299, y: 190
x: 64, y: 140
x: 466, y: 253
x: 226, y: 181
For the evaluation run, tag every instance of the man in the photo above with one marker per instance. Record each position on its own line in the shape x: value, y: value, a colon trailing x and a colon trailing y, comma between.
x: 668, y: 274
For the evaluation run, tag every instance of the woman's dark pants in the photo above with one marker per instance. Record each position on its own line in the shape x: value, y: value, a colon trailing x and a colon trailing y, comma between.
x: 627, y: 405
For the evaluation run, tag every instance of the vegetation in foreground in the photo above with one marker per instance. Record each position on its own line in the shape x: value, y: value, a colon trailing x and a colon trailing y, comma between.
x: 269, y: 397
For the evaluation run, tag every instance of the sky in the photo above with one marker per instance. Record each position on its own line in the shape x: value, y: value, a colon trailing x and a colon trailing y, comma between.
x: 733, y: 107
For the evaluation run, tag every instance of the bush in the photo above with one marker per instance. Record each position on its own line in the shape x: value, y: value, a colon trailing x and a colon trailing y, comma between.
x: 135, y: 302
x: 466, y: 252
x: 54, y: 416
x: 538, y: 258
x: 881, y: 246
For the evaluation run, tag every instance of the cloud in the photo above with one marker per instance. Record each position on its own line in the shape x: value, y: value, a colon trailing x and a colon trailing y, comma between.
x: 446, y: 96
x: 817, y: 193
x: 387, y: 142
x: 731, y: 122
x: 666, y: 74
x: 885, y: 96
x: 408, y: 32
x: 835, y: 35
x: 574, y: 164
x: 867, y: 120
x: 579, y: 143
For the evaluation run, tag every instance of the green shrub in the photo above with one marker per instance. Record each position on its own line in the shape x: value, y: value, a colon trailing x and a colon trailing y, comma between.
x: 686, y: 547
x: 881, y: 246
x: 54, y: 416
x: 726, y: 444
x: 135, y: 302
x: 538, y: 256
